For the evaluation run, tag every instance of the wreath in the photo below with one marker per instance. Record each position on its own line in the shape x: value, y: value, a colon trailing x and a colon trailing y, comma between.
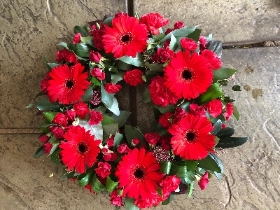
x: 85, y: 131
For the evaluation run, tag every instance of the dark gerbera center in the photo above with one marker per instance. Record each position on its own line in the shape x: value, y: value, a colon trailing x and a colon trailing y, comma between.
x: 69, y: 84
x: 190, y: 136
x: 187, y: 74
x: 125, y: 39
x: 139, y: 173
x: 82, y: 147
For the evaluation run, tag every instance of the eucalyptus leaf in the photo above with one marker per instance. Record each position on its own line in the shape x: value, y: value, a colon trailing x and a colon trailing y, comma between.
x: 63, y: 44
x: 117, y: 139
x: 106, y: 98
x: 115, y: 107
x: 88, y: 94
x: 172, y: 44
x: 109, y: 130
x: 115, y: 78
x: 217, y: 127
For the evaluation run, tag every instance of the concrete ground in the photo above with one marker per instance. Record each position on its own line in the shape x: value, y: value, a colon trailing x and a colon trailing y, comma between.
x: 30, y: 30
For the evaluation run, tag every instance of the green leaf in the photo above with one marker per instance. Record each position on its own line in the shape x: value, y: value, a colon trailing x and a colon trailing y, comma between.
x: 107, y: 120
x: 115, y: 78
x: 82, y: 30
x: 191, y: 165
x: 129, y: 204
x: 146, y: 98
x: 223, y: 73
x: 179, y: 171
x: 229, y: 142
x: 39, y: 152
x: 236, y: 88
x: 52, y: 65
x: 88, y: 94
x: 185, y: 105
x: 87, y: 40
x: 190, y: 190
x: 215, y: 46
x: 109, y: 130
x: 213, y: 92
x: 165, y: 167
x: 168, y: 200
x: 225, y: 132
x: 63, y: 44
x: 108, y: 21
x: 212, y: 163
x: 121, y: 119
x: 110, y: 184
x: 82, y: 50
x: 49, y: 116
x: 115, y: 107
x: 165, y: 109
x: 123, y: 66
x: 117, y: 139
x: 195, y: 35
x: 106, y: 98
x: 172, y: 44
x: 55, y: 156
x: 137, y: 61
x: 46, y: 105
x: 131, y: 133
x: 217, y: 127
x: 85, y: 178
x: 154, y: 68
x: 54, y: 147
x: 182, y: 32
x: 95, y: 81
x: 235, y: 113
x: 96, y: 185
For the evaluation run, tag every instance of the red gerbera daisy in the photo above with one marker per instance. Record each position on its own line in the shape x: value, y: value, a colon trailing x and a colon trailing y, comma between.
x: 191, y: 137
x: 66, y: 84
x: 139, y: 174
x: 79, y: 150
x: 126, y: 37
x: 188, y: 75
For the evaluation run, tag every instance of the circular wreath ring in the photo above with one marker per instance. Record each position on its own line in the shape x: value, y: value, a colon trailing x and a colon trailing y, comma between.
x: 85, y: 131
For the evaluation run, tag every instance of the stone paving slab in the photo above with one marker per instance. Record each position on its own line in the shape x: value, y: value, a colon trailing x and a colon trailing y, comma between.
x: 227, y: 20
x: 251, y: 179
x: 29, y: 32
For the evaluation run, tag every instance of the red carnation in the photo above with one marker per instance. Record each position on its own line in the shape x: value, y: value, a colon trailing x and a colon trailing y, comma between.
x: 60, y: 119
x: 169, y: 184
x: 110, y: 141
x: 57, y: 131
x: 96, y: 33
x: 95, y: 117
x: 71, y: 114
x: 80, y: 149
x: 48, y: 147
x: 162, y: 55
x: 81, y: 109
x: 229, y: 111
x: 179, y: 114
x: 123, y: 148
x: 112, y: 88
x: 197, y: 110
x: 187, y: 75
x: 214, y: 107
x: 44, y: 138
x: 66, y: 55
x: 160, y: 95
x: 203, y: 42
x: 165, y: 119
x: 77, y: 38
x: 127, y: 37
x: 178, y: 25
x: 135, y: 142
x: 116, y: 199
x: 152, y: 138
x: 188, y: 44
x: 98, y: 73
x: 203, y: 182
x: 133, y: 77
x: 67, y: 84
x: 95, y: 56
x: 191, y: 138
x: 154, y: 21
x: 103, y: 170
x: 214, y: 61
x: 110, y: 156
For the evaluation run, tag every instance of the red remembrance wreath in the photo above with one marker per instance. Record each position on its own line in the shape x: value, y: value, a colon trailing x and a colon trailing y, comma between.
x: 85, y: 131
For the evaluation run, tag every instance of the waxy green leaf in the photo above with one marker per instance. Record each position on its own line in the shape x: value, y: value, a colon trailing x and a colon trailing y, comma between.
x: 110, y: 184
x: 96, y: 185
x: 82, y: 30
x: 229, y: 142
x: 131, y: 133
x: 212, y: 163
x: 182, y: 32
x: 213, y: 92
x: 223, y: 73
x: 85, y: 179
x: 135, y: 61
x: 39, y: 152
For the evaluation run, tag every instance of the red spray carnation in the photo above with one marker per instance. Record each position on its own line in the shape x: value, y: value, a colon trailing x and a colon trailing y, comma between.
x: 203, y: 182
x: 44, y: 138
x: 214, y: 107
x: 123, y: 148
x: 179, y: 114
x: 81, y: 109
x: 96, y: 33
x: 95, y: 56
x: 98, y: 73
x: 191, y: 137
x: 133, y: 77
x: 95, y: 117
x: 47, y: 147
x: 229, y: 111
x: 103, y: 169
x: 214, y: 61
x: 203, y: 43
x: 116, y: 199
x: 165, y: 119
x: 169, y: 184
x: 66, y: 55
x: 110, y: 156
x: 77, y: 38
x: 160, y: 95
x: 197, y: 110
x: 135, y: 141
x: 162, y: 55
x: 127, y: 37
x: 110, y: 141
x: 80, y: 149
x: 179, y: 24
x: 71, y: 114
x: 60, y: 119
x: 67, y: 84
x: 154, y: 21
x: 188, y: 44
x: 57, y: 131
x: 152, y: 138
x: 187, y: 75
x: 112, y: 88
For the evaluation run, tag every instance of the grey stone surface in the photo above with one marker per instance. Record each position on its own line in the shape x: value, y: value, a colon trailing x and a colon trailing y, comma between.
x: 228, y: 20
x: 29, y: 32
x: 251, y: 179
